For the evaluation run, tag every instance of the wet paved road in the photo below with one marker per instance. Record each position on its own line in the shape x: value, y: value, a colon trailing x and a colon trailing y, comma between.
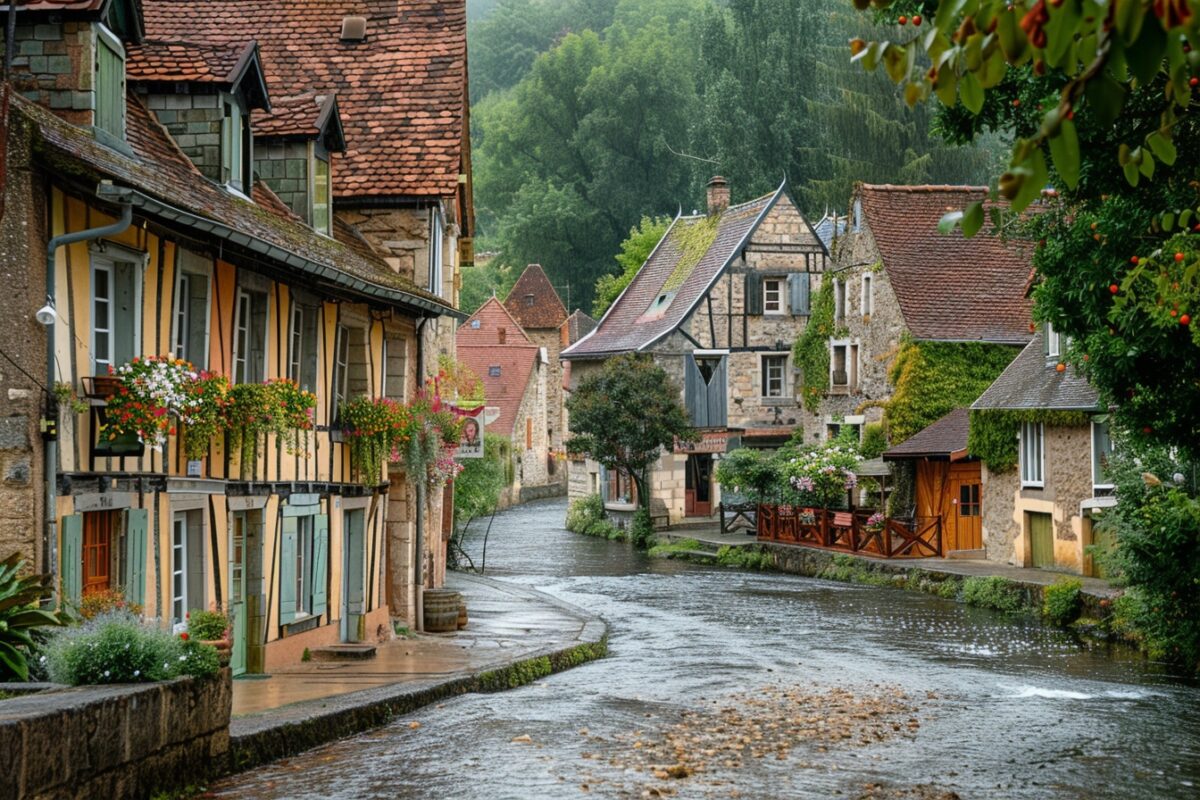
x: 1019, y: 711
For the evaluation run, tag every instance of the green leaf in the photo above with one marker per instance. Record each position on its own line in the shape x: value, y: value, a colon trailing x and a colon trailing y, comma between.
x: 993, y: 71
x: 946, y: 86
x: 1064, y: 149
x: 1106, y: 97
x: 949, y: 222
x: 972, y: 219
x: 1060, y: 31
x: 1146, y: 55
x: 1168, y: 221
x: 1012, y: 39
x: 1185, y: 217
x: 1131, y: 173
x: 1147, y: 165
x: 1129, y: 18
x: 1035, y: 174
x: 971, y: 93
x: 1162, y: 147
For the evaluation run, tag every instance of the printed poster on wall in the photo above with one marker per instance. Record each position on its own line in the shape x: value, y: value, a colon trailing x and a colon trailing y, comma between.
x: 470, y: 443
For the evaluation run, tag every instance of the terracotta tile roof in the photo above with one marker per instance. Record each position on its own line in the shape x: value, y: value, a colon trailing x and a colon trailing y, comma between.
x: 503, y: 368
x: 578, y: 326
x: 402, y: 91
x: 170, y: 182
x: 306, y: 116
x: 949, y: 287
x: 1030, y: 382
x: 187, y: 62
x: 627, y: 326
x: 947, y: 437
x: 533, y: 301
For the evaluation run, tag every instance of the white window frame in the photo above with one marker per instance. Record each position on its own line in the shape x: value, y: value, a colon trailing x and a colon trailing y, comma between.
x: 1096, y: 485
x: 834, y: 344
x: 1032, y: 455
x: 868, y: 295
x: 1053, y: 342
x: 244, y: 302
x: 775, y: 306
x: 437, y: 233
x: 102, y: 271
x: 179, y: 547
x: 341, y: 370
x: 181, y: 319
x: 104, y: 258
x: 766, y: 379
x: 296, y: 342
x: 305, y: 532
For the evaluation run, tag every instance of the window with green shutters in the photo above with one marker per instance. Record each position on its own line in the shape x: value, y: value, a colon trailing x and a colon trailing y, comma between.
x: 136, y: 524
x: 303, y: 566
x: 110, y: 83
x: 71, y: 558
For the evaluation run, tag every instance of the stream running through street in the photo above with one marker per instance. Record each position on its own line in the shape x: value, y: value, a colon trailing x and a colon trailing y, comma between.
x: 1002, y: 708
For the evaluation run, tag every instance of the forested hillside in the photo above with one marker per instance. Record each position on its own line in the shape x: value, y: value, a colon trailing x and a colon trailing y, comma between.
x: 590, y: 114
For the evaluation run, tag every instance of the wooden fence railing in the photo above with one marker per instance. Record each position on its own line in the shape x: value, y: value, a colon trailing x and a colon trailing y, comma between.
x: 848, y: 531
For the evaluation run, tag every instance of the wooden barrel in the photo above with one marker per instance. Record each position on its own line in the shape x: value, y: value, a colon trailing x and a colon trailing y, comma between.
x: 462, y: 615
x: 441, y: 610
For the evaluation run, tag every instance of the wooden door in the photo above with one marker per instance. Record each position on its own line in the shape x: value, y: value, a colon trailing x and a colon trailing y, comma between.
x: 97, y: 551
x: 353, y: 594
x: 1041, y: 539
x: 698, y: 488
x: 966, y: 507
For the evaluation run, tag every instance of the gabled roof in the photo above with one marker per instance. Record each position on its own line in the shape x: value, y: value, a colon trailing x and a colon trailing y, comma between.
x: 674, y: 278
x: 830, y: 227
x: 578, y: 325
x: 229, y: 66
x: 402, y: 90
x: 125, y: 15
x: 1029, y: 382
x: 533, y: 301
x: 946, y: 438
x: 168, y: 186
x: 950, y: 288
x: 503, y: 368
x: 305, y: 116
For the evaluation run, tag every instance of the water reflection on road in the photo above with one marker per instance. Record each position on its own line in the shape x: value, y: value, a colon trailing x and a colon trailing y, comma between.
x: 1009, y: 710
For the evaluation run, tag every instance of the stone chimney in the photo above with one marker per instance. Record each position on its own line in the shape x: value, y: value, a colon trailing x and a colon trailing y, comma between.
x: 718, y: 195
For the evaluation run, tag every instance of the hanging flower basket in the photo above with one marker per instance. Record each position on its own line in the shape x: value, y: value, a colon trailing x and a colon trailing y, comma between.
x: 153, y: 396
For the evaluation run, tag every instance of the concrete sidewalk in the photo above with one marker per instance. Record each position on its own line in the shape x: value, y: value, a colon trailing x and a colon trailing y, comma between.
x: 515, y: 635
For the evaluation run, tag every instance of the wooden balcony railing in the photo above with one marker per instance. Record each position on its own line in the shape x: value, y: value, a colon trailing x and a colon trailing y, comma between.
x: 848, y: 531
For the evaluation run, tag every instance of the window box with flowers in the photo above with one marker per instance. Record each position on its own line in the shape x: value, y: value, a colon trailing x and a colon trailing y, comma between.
x: 374, y: 428
x: 257, y: 410
x: 154, y: 395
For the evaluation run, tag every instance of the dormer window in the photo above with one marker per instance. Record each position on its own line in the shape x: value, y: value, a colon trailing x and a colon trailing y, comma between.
x: 322, y: 216
x: 235, y: 144
x: 1052, y: 343
x: 110, y: 83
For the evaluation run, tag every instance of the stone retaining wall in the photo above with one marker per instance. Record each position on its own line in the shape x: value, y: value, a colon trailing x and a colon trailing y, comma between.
x: 114, y: 741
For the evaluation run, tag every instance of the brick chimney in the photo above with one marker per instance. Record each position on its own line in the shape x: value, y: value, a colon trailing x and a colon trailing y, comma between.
x: 718, y: 195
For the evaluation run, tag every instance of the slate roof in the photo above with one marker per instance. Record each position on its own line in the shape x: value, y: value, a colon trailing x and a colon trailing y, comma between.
x: 626, y: 326
x: 945, y: 438
x: 828, y: 228
x: 578, y: 325
x: 169, y: 184
x: 480, y: 349
x: 1029, y: 382
x: 950, y: 288
x: 533, y: 302
x: 188, y: 62
x: 401, y: 91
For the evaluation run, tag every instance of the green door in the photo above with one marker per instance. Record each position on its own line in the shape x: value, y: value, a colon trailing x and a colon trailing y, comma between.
x: 237, y: 590
x: 353, y: 596
x: 1104, y: 542
x: 1041, y: 540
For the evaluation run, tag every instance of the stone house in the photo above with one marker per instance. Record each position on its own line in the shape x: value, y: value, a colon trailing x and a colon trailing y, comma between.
x: 179, y: 245
x: 398, y: 70
x: 717, y: 304
x: 1039, y: 513
x: 536, y: 307
x: 515, y: 371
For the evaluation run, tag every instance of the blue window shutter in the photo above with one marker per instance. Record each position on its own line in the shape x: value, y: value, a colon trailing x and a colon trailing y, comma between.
x: 754, y: 294
x: 718, y: 395
x: 798, y: 284
x: 71, y: 559
x: 136, y: 523
x: 287, y: 572
x: 320, y: 564
x: 695, y: 392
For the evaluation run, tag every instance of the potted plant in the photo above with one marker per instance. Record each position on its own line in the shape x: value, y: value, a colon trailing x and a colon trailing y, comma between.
x: 374, y: 428
x: 212, y: 628
x: 875, y: 522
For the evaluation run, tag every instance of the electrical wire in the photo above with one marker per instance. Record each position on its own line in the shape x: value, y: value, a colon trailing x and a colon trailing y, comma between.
x: 21, y: 369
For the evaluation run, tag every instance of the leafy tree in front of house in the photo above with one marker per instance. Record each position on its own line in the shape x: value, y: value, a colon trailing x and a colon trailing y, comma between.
x: 625, y: 414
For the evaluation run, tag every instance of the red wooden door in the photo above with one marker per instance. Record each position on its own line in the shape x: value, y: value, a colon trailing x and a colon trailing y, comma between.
x: 698, y: 488
x: 97, y: 551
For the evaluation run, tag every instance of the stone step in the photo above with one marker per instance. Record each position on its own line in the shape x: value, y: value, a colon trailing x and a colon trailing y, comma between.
x: 344, y: 652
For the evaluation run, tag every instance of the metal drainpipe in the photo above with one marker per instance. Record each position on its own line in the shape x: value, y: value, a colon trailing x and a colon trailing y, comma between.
x: 123, y: 197
x: 419, y: 561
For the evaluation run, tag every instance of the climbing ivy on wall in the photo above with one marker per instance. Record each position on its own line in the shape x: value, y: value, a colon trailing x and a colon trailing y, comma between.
x: 931, y: 379
x: 993, y: 435
x: 810, y: 353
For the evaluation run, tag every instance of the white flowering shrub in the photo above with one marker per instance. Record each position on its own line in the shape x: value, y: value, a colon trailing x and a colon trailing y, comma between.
x: 120, y: 648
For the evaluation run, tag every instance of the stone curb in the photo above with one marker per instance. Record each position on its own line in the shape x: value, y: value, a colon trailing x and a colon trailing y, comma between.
x: 258, y: 739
